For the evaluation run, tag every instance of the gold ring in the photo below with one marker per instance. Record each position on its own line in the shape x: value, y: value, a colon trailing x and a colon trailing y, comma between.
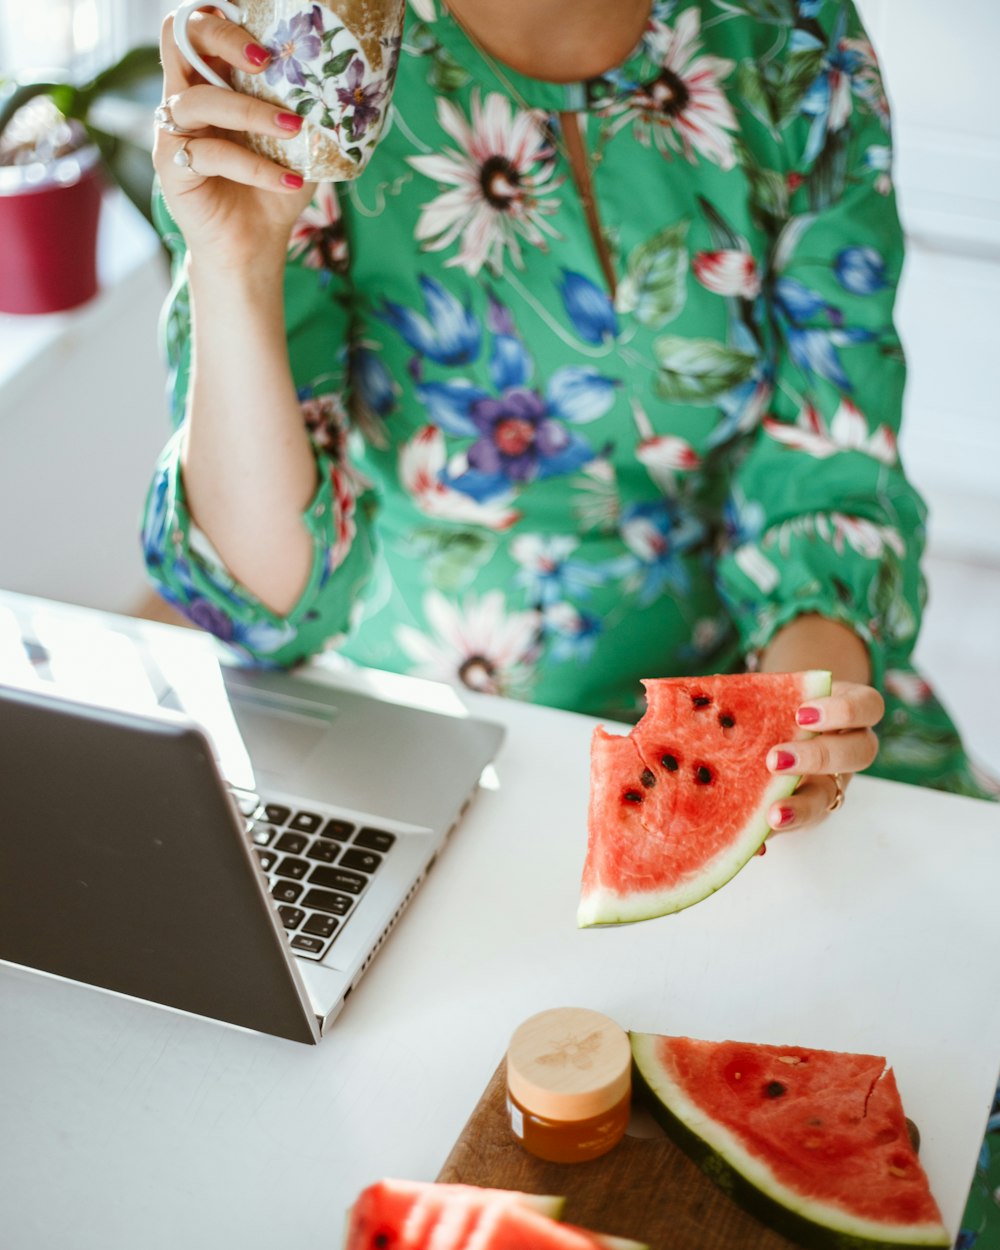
x: 838, y: 798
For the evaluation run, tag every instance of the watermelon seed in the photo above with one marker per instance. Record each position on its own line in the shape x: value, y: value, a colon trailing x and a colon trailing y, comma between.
x: 726, y: 721
x: 789, y: 1059
x: 701, y: 700
x: 632, y: 796
x: 647, y: 778
x: 894, y: 1171
x: 813, y: 1143
x: 914, y: 1134
x: 670, y: 763
x: 774, y: 1089
x: 702, y: 774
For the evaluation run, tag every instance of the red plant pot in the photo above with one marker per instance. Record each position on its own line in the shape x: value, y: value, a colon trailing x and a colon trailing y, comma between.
x: 48, y: 237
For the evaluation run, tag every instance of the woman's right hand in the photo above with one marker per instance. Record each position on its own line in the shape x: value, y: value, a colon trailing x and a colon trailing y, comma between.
x: 238, y: 206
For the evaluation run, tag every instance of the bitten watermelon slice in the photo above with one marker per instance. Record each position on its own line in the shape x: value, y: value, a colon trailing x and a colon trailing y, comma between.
x: 680, y: 804
x: 812, y: 1142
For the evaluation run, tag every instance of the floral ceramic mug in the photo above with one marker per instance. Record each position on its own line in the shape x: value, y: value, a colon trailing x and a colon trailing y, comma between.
x: 332, y: 61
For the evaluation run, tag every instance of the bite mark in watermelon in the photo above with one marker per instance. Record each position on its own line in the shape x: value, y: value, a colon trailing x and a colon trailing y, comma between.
x: 812, y: 1142
x: 679, y: 804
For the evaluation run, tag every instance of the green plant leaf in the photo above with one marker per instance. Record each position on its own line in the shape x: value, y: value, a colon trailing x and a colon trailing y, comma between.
x: 655, y: 284
x: 337, y: 64
x: 697, y: 371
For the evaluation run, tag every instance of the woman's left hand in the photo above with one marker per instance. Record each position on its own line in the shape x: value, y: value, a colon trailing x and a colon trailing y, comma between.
x: 845, y: 743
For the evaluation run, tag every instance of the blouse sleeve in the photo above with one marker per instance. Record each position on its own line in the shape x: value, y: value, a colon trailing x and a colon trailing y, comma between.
x: 182, y: 562
x: 820, y: 517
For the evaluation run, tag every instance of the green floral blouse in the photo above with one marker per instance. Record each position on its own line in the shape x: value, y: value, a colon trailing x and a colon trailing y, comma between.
x: 544, y: 484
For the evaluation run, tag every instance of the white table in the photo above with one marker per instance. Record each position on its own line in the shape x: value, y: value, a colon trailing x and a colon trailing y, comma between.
x: 127, y: 1127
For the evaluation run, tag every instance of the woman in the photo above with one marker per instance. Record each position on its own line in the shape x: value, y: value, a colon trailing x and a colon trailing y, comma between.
x: 609, y: 316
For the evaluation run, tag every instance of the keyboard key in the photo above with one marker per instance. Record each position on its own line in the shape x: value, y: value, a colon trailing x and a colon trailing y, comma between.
x: 339, y: 829
x: 292, y: 843
x: 322, y: 926
x: 263, y: 835
x: 364, y: 861
x: 305, y: 822
x: 246, y: 801
x: 286, y: 891
x: 337, y: 879
x: 311, y: 944
x: 291, y: 917
x: 291, y: 867
x: 375, y: 840
x: 267, y: 859
x: 276, y: 814
x: 326, y: 900
x: 325, y: 852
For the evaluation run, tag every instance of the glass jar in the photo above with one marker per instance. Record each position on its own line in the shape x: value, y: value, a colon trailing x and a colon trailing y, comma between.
x: 569, y: 1084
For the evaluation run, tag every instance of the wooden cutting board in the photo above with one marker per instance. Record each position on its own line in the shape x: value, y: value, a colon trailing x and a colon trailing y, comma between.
x: 645, y: 1188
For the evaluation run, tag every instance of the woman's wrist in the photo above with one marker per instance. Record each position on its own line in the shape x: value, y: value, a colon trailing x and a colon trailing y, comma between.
x: 813, y: 641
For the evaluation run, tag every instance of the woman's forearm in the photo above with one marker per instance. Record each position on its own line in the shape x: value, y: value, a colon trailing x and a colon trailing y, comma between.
x: 816, y: 642
x: 248, y: 467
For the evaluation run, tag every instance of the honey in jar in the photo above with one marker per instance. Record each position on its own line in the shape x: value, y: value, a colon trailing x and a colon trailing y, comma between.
x: 568, y: 1084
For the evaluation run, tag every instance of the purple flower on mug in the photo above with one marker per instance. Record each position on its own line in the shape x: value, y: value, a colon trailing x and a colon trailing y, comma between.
x: 292, y: 43
x: 364, y: 99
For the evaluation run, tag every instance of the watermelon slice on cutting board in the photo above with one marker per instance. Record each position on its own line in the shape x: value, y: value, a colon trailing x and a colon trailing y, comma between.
x: 680, y: 803
x: 812, y: 1142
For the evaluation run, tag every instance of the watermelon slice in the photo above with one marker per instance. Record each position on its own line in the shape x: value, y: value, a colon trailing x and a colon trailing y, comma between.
x: 415, y: 1215
x: 427, y: 1215
x: 680, y: 804
x: 812, y: 1142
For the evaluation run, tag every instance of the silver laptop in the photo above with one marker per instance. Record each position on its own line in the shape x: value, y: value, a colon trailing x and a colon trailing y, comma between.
x: 228, y: 842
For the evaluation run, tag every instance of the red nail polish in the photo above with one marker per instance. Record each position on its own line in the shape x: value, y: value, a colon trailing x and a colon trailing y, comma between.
x: 785, y: 816
x: 807, y: 715
x: 256, y: 55
x: 784, y: 760
x: 288, y: 121
x: 762, y: 849
x: 292, y: 180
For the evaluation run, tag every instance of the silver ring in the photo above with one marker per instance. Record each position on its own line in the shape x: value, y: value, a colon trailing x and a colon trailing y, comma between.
x: 838, y: 798
x: 182, y: 157
x: 163, y: 116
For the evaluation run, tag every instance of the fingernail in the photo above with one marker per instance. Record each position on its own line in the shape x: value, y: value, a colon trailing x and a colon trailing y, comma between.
x: 785, y: 817
x: 288, y: 121
x: 783, y: 760
x: 808, y: 715
x: 256, y: 55
x: 292, y: 180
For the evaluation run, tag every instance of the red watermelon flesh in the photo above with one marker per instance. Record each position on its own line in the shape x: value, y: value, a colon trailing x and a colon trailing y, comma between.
x: 408, y: 1215
x: 814, y: 1142
x: 680, y: 804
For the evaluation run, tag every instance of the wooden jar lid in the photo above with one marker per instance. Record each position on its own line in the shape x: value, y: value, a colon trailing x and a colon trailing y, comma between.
x: 569, y: 1063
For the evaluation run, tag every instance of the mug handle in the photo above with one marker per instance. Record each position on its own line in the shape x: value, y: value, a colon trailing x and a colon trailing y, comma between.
x: 181, y: 19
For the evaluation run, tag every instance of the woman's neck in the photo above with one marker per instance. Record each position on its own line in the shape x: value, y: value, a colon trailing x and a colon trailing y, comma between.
x: 554, y: 40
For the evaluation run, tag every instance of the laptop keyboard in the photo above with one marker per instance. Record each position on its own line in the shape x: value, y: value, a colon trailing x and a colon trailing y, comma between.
x: 317, y: 866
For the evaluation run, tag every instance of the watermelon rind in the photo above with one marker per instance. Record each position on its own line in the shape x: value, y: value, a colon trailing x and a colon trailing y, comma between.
x: 749, y: 1182
x: 603, y: 906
